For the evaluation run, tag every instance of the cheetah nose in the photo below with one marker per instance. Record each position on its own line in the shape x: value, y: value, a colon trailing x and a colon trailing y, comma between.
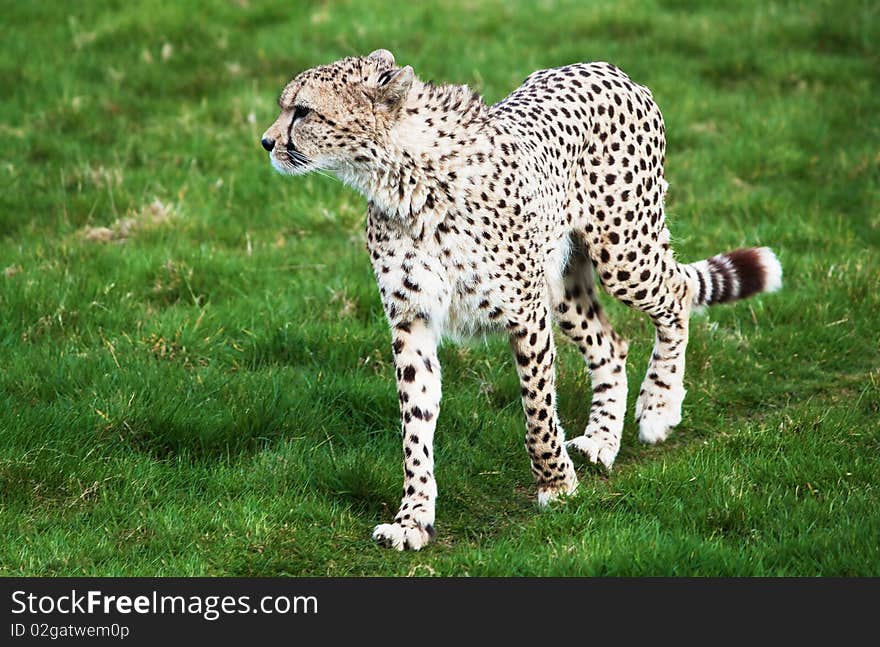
x: 268, y: 144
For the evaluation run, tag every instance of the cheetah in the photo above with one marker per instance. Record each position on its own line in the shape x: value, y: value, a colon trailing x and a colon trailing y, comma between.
x: 498, y: 218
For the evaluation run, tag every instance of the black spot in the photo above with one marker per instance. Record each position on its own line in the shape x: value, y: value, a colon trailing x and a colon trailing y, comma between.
x: 409, y: 285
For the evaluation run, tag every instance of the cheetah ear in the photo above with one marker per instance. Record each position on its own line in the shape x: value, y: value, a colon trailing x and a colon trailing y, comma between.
x: 382, y: 56
x: 393, y: 86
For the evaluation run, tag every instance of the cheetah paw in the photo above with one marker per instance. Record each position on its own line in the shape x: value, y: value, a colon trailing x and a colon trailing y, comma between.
x: 654, y: 427
x: 550, y: 493
x: 592, y: 450
x: 393, y: 535
x: 657, y: 417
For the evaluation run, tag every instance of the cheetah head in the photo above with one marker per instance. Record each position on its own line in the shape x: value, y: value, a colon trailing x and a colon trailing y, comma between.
x: 336, y: 117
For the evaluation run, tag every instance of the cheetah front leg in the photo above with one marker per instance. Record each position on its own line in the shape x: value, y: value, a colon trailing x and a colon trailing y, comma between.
x: 418, y: 389
x: 535, y: 353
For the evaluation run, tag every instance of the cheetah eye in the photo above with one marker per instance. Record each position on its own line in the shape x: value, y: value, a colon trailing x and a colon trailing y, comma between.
x: 299, y: 112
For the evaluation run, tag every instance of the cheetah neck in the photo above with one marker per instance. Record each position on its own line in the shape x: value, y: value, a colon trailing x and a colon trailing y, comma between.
x: 432, y: 154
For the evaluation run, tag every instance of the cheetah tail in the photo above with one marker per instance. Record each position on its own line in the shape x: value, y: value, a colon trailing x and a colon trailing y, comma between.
x: 734, y: 275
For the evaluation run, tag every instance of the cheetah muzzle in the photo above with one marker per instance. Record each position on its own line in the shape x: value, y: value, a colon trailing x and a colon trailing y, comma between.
x: 498, y: 218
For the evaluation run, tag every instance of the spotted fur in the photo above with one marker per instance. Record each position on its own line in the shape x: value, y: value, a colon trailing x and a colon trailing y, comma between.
x: 498, y: 218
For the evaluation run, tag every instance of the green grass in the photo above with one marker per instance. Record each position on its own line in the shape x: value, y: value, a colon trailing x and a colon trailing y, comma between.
x: 210, y: 392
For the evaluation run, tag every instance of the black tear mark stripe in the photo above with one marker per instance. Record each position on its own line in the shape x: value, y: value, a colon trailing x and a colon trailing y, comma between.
x: 290, y: 132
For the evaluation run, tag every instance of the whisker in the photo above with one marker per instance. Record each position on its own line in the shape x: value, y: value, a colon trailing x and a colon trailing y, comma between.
x: 317, y: 170
x: 298, y: 160
x: 314, y: 168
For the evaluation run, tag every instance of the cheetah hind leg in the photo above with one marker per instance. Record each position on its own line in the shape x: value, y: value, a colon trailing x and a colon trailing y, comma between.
x: 658, y: 408
x: 580, y: 316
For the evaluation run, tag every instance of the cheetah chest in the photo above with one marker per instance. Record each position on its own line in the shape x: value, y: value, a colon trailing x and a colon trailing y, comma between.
x: 444, y: 281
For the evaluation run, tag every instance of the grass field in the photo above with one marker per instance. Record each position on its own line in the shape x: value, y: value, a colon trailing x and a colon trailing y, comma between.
x: 196, y: 368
